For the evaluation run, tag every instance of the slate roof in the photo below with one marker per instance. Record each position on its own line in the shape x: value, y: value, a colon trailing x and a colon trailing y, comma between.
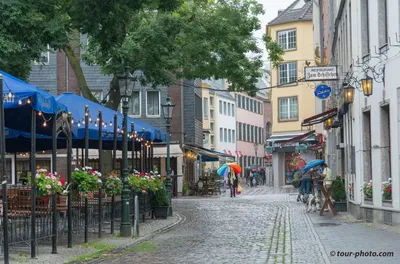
x: 291, y: 14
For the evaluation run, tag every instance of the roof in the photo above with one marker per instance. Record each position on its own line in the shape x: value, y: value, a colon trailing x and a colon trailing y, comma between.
x: 294, y: 14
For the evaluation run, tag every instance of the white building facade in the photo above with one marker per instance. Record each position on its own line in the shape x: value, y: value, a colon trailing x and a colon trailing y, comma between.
x: 366, y: 44
x: 226, y: 123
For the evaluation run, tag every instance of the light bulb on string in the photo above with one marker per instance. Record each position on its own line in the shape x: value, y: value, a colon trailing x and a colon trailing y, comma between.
x: 98, y: 119
x: 79, y: 123
x: 90, y: 119
x: 95, y: 124
x: 10, y: 95
x: 117, y: 129
x: 40, y: 113
x: 72, y: 121
x: 29, y: 100
x: 19, y: 102
x: 87, y: 113
x: 44, y: 124
x: 105, y: 126
x: 111, y: 123
x: 83, y: 121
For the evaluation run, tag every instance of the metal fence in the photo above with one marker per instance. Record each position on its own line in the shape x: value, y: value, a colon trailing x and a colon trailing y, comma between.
x: 98, y: 215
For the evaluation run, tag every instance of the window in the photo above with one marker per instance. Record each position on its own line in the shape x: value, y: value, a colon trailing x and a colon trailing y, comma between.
x: 221, y: 135
x: 205, y: 140
x: 44, y: 58
x: 220, y: 106
x: 205, y: 108
x: 225, y: 135
x: 260, y: 134
x: 364, y: 28
x: 287, y: 39
x: 212, y: 127
x: 288, y: 108
x: 229, y: 136
x: 98, y: 94
x: 233, y: 136
x: 382, y: 23
x: 134, y: 104
x: 251, y: 105
x: 229, y: 109
x: 224, y: 108
x: 244, y: 132
x: 243, y: 102
x: 211, y: 101
x: 385, y: 143
x: 248, y: 133
x: 247, y: 103
x: 198, y: 107
x: 233, y: 110
x: 287, y: 73
x: 259, y: 108
x: 252, y: 134
x: 212, y: 140
x: 238, y: 101
x: 212, y: 114
x: 256, y: 135
x: 153, y: 103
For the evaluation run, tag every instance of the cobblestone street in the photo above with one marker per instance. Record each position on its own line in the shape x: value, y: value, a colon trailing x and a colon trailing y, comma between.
x: 258, y: 227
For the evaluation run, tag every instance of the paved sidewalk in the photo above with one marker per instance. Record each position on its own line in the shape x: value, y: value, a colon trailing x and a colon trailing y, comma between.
x: 147, y: 230
x: 342, y: 234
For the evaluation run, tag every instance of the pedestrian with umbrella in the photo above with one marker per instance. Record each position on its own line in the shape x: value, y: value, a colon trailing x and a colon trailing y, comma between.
x: 230, y: 171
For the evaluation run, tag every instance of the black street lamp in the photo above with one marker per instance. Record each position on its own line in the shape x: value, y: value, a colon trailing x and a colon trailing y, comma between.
x: 167, y: 114
x: 367, y: 86
x: 125, y: 228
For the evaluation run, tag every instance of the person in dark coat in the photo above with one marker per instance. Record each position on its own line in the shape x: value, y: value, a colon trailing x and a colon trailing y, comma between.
x: 233, y: 182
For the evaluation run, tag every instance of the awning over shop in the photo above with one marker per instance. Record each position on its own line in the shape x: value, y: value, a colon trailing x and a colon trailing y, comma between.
x: 285, y: 139
x: 319, y: 118
x: 161, y: 151
x: 208, y: 155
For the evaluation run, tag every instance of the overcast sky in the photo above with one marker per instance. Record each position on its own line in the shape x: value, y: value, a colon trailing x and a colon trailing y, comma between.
x: 271, y: 8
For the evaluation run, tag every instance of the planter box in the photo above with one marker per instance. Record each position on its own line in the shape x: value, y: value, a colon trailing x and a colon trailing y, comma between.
x: 368, y: 201
x: 387, y: 203
x: 296, y: 184
x: 340, y: 206
x: 161, y: 212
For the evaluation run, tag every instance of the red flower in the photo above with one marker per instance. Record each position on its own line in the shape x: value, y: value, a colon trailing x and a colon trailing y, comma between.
x: 142, y: 173
x: 389, y: 189
x: 62, y: 180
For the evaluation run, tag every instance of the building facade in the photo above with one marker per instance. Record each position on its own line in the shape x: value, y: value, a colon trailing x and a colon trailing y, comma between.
x: 250, y: 130
x: 292, y: 101
x: 368, y: 52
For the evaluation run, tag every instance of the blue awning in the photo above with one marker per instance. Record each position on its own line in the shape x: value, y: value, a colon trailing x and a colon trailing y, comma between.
x: 17, y: 93
x: 76, y: 105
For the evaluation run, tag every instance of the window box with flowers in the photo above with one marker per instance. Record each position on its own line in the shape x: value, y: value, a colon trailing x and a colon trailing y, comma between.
x: 367, y: 190
x: 387, y: 191
x: 350, y: 188
x: 86, y: 181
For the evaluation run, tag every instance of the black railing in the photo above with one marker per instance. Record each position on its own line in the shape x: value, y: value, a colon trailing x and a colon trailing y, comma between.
x: 85, y: 217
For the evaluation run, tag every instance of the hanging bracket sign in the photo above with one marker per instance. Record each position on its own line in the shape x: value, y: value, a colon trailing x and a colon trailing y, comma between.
x: 318, y: 73
x: 322, y: 91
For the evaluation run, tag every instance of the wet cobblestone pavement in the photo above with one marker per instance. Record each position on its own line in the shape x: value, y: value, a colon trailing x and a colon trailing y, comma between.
x: 255, y: 227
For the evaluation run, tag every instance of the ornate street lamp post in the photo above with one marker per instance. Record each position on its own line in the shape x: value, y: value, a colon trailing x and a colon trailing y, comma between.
x: 255, y: 151
x: 125, y: 228
x: 167, y: 113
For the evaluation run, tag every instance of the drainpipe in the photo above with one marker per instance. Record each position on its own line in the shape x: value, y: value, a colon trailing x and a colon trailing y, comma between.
x: 66, y: 73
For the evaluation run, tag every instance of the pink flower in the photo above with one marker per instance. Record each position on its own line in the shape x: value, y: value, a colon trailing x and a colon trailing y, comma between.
x: 59, y: 183
x: 53, y: 178
x: 47, y: 177
x: 112, y: 184
x: 48, y: 186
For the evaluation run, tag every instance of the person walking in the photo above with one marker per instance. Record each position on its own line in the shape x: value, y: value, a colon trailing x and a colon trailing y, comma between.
x: 251, y: 178
x: 233, y: 182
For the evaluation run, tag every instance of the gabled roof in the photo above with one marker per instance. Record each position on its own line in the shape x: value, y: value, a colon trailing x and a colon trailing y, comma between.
x: 294, y: 14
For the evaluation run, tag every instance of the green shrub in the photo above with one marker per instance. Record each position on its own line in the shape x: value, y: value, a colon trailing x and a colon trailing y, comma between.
x: 160, y: 197
x: 339, y: 191
x: 185, y: 188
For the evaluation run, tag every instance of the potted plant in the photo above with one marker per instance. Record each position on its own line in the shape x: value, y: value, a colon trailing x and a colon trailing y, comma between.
x: 339, y: 195
x: 113, y: 185
x: 184, y: 189
x: 296, y: 181
x: 48, y: 183
x: 87, y: 181
x: 367, y: 189
x: 160, y: 202
x: 387, y: 189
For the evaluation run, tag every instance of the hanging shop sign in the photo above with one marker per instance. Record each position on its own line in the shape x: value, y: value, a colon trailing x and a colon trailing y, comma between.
x: 322, y: 91
x: 318, y: 73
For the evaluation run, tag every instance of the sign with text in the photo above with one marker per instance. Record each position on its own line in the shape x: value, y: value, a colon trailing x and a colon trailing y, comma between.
x: 328, y: 73
x: 322, y: 91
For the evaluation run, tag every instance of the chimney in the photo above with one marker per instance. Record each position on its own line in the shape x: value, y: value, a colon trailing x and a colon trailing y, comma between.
x: 280, y: 12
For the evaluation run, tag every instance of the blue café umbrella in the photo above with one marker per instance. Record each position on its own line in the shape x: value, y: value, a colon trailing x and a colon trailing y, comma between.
x: 312, y: 164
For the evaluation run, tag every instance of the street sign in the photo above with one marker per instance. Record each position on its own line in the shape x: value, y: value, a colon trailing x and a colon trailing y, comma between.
x: 328, y: 73
x: 322, y: 91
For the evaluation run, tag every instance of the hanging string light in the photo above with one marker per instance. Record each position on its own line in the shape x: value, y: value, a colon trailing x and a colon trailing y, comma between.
x: 95, y: 124
x: 45, y: 124
x: 40, y: 113
x: 19, y: 102
x: 29, y: 100
x: 10, y: 95
x: 87, y: 113
x: 111, y: 124
x: 79, y: 123
x: 118, y: 129
x: 90, y: 119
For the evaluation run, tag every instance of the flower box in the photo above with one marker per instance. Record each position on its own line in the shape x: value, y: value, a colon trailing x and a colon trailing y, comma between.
x: 340, y: 206
x: 161, y: 211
